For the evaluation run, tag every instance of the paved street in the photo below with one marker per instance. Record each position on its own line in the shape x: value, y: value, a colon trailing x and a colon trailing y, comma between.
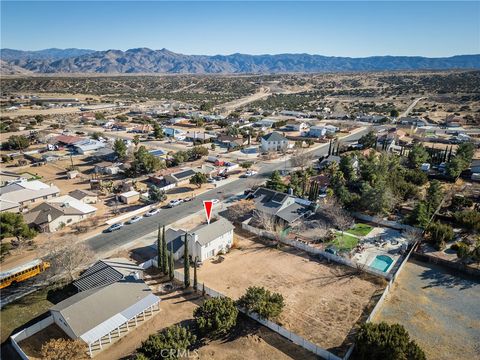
x: 106, y: 242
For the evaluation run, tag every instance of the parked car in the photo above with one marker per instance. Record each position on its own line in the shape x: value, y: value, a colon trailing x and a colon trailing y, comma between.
x: 215, y: 201
x: 133, y: 220
x: 152, y: 212
x: 114, y: 227
x: 174, y: 203
x: 251, y: 173
x: 211, y: 180
x: 187, y: 199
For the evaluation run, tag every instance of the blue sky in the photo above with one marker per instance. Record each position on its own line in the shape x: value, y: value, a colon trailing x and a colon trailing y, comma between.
x: 432, y: 28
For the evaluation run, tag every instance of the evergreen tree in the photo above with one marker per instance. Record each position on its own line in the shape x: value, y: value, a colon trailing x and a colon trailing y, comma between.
x: 164, y: 252
x: 186, y: 263
x: 417, y: 156
x: 347, y: 168
x: 276, y: 183
x: 195, y: 280
x: 419, y: 215
x: 159, y: 249
x: 434, y: 196
x: 171, y: 265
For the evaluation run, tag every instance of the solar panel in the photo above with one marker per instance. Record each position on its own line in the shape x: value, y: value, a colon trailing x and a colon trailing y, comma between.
x: 279, y: 197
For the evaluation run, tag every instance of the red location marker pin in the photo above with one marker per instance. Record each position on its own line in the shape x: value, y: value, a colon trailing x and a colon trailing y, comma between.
x: 207, y: 204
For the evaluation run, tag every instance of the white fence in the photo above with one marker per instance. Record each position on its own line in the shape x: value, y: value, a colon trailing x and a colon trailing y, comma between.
x: 315, y: 251
x: 271, y: 325
x: 27, y: 332
x: 279, y: 329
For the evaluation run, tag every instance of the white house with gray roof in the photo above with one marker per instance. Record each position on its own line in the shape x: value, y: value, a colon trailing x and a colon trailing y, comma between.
x: 21, y: 194
x: 273, y: 142
x: 207, y: 240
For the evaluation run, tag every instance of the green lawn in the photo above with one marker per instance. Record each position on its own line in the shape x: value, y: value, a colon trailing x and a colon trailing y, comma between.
x: 344, y: 242
x: 360, y: 229
x: 29, y: 307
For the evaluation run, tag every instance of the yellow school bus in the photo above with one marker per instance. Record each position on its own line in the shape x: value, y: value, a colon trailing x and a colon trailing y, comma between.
x: 23, y: 272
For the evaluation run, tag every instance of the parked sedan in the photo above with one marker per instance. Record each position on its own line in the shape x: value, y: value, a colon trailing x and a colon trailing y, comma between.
x: 251, y: 173
x: 134, y: 219
x: 174, y: 203
x: 114, y: 227
x: 152, y: 212
x: 215, y: 201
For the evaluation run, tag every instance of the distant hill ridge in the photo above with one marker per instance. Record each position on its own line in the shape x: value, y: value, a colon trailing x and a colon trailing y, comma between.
x: 144, y: 60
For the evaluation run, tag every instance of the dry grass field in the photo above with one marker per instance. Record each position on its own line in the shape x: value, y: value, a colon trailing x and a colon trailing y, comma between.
x: 324, y: 302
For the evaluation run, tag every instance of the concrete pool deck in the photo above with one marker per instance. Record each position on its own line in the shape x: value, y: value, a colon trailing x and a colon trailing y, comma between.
x: 371, y: 250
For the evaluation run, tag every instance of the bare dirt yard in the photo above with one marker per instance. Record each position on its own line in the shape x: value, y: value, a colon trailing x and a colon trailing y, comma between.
x: 324, y: 301
x: 439, y: 309
x: 248, y: 341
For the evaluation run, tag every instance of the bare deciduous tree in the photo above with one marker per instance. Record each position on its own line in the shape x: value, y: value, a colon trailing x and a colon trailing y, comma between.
x: 269, y: 223
x: 412, y: 236
x: 336, y: 214
x: 301, y: 158
x: 240, y: 210
x: 67, y: 258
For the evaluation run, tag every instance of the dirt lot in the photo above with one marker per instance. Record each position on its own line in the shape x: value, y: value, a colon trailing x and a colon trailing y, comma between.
x: 439, y: 309
x: 323, y: 302
x: 252, y: 342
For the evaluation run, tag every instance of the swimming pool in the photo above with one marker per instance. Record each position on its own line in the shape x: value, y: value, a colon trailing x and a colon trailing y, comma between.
x: 381, y: 262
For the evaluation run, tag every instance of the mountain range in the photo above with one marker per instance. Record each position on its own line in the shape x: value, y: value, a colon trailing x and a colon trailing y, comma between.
x: 147, y: 61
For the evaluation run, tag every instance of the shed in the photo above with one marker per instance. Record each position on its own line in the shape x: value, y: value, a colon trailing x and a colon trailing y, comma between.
x: 129, y: 197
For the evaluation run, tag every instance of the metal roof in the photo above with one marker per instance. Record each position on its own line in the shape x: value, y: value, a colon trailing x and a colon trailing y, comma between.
x: 119, y: 319
x: 94, y: 313
x: 105, y: 272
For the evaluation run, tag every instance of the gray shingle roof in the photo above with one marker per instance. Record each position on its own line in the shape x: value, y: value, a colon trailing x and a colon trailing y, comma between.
x: 292, y: 212
x: 276, y: 203
x: 264, y: 200
x: 79, y: 194
x: 274, y: 136
x: 174, y: 238
x: 208, y: 232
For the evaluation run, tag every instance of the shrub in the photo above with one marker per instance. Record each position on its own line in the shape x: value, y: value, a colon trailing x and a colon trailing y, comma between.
x: 383, y: 341
x: 216, y: 316
x: 469, y: 219
x: 172, y: 338
x: 63, y: 349
x: 463, y: 250
x: 263, y: 302
x: 439, y: 234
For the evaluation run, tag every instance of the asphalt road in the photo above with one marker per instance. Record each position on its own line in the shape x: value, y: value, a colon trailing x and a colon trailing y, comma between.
x: 106, y: 242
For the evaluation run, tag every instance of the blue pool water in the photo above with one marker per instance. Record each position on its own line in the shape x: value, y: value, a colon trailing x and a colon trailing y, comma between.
x: 382, y: 262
